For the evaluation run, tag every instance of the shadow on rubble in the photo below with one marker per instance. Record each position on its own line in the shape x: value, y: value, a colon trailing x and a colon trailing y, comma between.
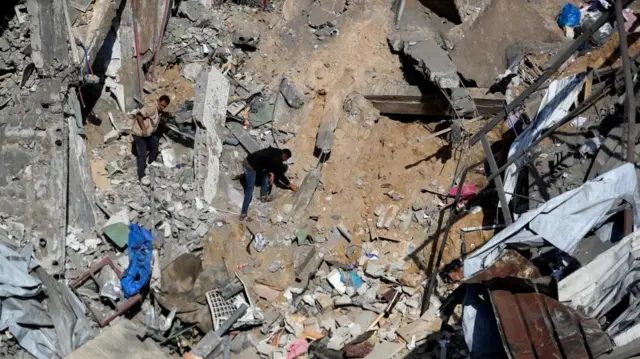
x: 7, y: 11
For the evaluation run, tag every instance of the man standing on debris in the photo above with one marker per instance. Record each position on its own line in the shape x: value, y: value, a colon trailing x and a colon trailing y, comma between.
x: 144, y: 138
x: 268, y: 164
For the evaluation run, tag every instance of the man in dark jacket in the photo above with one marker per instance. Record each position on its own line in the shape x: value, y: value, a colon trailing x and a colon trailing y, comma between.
x: 268, y: 164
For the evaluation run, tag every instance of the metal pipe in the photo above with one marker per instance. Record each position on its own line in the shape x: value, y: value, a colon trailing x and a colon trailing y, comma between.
x: 630, y: 106
x: 137, y: 44
x: 575, y: 112
x: 550, y: 68
x: 493, y: 166
x: 160, y: 36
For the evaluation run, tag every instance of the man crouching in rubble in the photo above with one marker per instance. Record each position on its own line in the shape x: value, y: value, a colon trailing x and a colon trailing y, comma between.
x: 144, y: 137
x: 268, y: 164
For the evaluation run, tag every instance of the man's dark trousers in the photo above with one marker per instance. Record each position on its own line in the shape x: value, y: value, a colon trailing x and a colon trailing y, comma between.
x: 251, y: 176
x: 145, y: 145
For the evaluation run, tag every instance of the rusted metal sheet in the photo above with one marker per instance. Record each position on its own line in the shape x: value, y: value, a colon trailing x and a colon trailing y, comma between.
x: 533, y: 325
x: 510, y: 264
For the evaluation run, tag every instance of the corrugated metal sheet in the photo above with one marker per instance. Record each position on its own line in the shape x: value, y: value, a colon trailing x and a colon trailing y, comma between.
x: 534, y: 326
x: 510, y: 264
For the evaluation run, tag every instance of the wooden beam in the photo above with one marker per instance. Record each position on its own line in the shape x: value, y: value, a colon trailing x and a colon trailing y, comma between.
x: 430, y: 105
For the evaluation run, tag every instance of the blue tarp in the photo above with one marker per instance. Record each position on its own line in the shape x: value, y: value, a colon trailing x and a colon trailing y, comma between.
x: 138, y: 274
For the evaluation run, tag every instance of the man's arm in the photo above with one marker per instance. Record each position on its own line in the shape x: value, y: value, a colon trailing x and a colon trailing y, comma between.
x: 140, y: 120
x: 279, y: 174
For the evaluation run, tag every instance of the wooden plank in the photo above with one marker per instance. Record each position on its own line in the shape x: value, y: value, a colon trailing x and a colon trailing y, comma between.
x: 588, y: 85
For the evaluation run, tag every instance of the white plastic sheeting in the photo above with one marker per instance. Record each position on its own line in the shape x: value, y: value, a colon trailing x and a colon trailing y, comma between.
x: 31, y: 320
x: 561, y: 95
x: 599, y: 285
x: 564, y: 220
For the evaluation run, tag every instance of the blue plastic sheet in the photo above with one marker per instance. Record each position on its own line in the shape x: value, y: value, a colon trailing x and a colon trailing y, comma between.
x: 138, y: 274
x: 569, y: 16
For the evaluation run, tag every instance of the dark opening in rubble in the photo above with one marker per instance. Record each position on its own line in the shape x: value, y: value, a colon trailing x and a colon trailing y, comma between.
x: 444, y: 8
x: 7, y: 12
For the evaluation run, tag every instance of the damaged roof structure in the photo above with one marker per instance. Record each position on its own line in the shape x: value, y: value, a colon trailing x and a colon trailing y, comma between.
x: 466, y: 171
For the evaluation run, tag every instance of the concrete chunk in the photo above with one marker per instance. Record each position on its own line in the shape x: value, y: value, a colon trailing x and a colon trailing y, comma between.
x: 243, y: 136
x: 291, y: 93
x: 431, y: 59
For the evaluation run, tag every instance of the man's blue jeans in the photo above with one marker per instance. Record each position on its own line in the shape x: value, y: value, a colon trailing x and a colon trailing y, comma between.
x: 251, y: 177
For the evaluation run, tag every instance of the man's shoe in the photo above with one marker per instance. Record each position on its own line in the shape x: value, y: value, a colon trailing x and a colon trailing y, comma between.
x: 267, y: 198
x: 145, y: 181
x: 244, y: 217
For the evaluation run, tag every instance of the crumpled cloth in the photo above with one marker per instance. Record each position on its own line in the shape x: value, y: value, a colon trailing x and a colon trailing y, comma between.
x: 297, y: 348
x: 140, y: 251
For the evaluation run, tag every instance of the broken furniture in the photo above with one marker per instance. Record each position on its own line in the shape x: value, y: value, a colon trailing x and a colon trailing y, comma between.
x: 120, y: 307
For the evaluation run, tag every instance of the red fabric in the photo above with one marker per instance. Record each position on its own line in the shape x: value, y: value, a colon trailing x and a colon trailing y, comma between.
x: 468, y: 191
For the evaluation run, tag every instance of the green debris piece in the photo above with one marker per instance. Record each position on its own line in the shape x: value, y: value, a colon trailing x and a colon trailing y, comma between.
x: 263, y: 116
x: 178, y: 32
x: 118, y: 233
x: 112, y: 168
x: 301, y: 236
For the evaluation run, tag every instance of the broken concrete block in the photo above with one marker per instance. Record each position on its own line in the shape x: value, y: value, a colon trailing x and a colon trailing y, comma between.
x: 192, y: 71
x: 119, y: 340
x: 325, y: 136
x: 111, y: 136
x: 168, y: 157
x: 434, y: 62
x: 420, y: 217
x: 344, y: 231
x: 480, y: 55
x: 202, y: 229
x: 325, y: 301
x: 209, y: 109
x: 246, y: 37
x: 342, y: 300
x: 304, y: 195
x: 374, y: 270
x: 244, y: 137
x: 339, y: 338
x: 343, y: 321
x: 360, y: 109
x: 405, y: 221
x: 328, y: 324
x: 192, y: 10
x: 388, y: 217
x: 385, y: 350
x: 291, y: 94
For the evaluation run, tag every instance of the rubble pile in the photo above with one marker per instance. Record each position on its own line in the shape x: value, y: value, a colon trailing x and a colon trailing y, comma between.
x: 354, y: 262
x: 16, y: 63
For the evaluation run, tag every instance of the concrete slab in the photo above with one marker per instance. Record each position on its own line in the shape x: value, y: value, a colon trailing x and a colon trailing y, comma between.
x: 480, y: 55
x: 49, y: 36
x: 119, y: 340
x: 434, y: 62
x: 209, y: 109
x: 304, y: 195
x: 385, y: 350
x: 81, y: 187
x: 243, y: 136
